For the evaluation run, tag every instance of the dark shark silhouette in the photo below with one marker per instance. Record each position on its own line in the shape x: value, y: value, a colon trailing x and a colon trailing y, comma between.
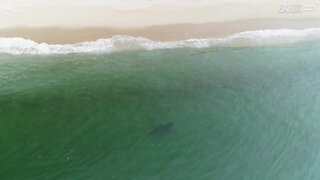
x: 162, y: 129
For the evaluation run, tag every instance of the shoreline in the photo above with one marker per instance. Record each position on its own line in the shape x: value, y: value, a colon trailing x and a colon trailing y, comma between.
x: 175, y: 32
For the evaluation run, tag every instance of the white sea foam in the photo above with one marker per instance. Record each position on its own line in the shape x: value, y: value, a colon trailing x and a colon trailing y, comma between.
x: 19, y: 46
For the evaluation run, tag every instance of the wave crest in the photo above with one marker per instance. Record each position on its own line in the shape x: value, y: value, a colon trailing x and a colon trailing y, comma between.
x: 19, y: 46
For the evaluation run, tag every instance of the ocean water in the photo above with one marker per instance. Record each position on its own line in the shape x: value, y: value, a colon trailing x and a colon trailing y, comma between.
x: 186, y: 113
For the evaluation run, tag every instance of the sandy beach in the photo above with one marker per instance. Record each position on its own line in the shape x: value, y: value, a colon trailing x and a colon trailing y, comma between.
x: 161, y: 20
x: 60, y: 35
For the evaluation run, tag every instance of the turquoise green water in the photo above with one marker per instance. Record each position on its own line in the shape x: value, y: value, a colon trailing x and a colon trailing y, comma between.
x: 242, y: 113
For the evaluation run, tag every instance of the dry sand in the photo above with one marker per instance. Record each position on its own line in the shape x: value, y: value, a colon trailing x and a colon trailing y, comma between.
x: 74, y: 21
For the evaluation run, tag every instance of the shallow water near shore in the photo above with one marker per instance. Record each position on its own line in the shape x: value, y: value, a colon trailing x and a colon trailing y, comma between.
x: 226, y: 113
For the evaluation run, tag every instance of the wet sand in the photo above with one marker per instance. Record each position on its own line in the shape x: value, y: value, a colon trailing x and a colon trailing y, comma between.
x: 59, y: 35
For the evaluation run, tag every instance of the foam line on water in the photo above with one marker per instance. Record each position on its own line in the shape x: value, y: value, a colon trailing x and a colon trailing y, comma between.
x: 19, y: 46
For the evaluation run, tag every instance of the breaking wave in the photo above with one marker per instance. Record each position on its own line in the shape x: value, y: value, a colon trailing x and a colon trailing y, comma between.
x: 19, y: 46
